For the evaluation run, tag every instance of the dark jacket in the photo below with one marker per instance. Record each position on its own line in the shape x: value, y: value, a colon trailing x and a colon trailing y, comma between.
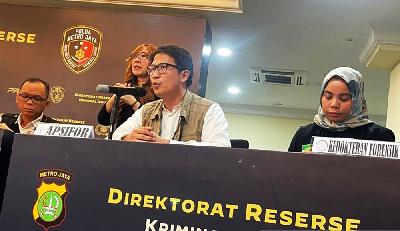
x: 103, y: 117
x: 11, y: 120
x: 369, y: 131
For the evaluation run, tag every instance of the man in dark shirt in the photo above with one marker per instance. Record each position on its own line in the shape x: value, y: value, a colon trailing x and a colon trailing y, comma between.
x: 31, y: 100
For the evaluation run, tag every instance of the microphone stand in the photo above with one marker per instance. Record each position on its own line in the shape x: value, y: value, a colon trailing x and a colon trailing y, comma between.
x: 113, y: 117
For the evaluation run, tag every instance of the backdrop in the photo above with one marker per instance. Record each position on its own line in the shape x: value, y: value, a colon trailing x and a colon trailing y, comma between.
x: 74, y: 50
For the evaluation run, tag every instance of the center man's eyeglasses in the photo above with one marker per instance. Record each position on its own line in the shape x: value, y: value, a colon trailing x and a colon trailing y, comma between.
x: 161, y: 68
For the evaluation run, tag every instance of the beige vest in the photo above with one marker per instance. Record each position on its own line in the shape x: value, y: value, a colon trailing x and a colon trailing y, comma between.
x: 190, y: 124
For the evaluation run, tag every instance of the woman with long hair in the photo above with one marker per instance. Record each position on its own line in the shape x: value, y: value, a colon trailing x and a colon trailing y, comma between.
x: 135, y: 76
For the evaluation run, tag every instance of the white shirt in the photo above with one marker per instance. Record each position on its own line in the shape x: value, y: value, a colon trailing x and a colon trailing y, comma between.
x: 214, y: 133
x: 30, y: 127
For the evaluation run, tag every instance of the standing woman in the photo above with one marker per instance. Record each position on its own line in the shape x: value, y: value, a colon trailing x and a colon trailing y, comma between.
x: 135, y: 75
x: 342, y: 112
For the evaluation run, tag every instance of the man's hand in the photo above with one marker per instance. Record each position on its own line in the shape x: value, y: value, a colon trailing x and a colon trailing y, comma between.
x: 145, y: 134
x: 142, y: 134
x: 159, y: 139
x: 4, y: 126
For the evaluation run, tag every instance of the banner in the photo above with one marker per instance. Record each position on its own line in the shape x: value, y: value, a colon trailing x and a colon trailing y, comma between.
x: 86, y: 184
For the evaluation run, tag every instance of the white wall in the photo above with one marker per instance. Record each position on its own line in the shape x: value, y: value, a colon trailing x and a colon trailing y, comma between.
x: 393, y: 111
x: 268, y: 133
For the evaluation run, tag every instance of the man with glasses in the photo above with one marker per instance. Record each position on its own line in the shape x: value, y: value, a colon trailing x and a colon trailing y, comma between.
x: 179, y: 117
x: 32, y: 99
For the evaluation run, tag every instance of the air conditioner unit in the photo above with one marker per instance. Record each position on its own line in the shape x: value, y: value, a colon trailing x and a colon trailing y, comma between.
x: 278, y: 76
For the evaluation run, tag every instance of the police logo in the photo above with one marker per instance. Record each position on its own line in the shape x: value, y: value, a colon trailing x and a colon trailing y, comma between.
x: 101, y: 130
x: 81, y: 47
x: 49, y: 209
x: 57, y: 94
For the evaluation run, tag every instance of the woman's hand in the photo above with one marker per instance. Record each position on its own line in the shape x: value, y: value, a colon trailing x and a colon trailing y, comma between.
x: 126, y: 99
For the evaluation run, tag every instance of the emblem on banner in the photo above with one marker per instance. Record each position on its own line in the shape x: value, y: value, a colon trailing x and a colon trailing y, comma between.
x: 101, y: 130
x: 81, y: 47
x: 49, y: 209
x: 57, y: 94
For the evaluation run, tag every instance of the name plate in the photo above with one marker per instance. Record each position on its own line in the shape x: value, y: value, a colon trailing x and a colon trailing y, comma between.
x: 348, y: 146
x: 65, y: 130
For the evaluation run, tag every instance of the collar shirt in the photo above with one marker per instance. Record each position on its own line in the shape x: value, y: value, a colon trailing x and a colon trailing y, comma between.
x: 169, y: 122
x: 30, y: 127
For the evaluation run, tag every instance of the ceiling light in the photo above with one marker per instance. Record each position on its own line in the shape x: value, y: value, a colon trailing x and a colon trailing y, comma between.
x: 233, y: 90
x: 206, y: 50
x: 224, y: 51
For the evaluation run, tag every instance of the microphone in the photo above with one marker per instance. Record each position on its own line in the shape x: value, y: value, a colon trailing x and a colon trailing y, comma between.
x: 120, y: 91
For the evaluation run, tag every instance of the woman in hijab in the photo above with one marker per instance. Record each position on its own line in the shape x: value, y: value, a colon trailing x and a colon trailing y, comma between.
x: 342, y: 112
